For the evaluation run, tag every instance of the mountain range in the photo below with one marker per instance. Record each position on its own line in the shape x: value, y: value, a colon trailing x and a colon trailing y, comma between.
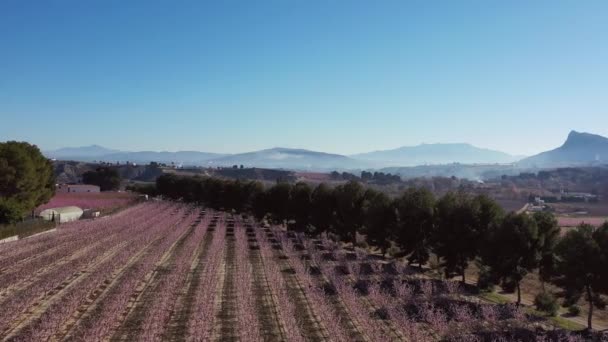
x: 297, y: 159
x: 579, y: 149
x: 425, y: 154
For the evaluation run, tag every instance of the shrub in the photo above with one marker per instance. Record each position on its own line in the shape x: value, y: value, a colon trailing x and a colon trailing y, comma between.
x: 599, y: 302
x: 485, y: 282
x: 362, y: 244
x: 393, y: 251
x: 547, y: 303
x: 574, y: 310
x: 10, y: 211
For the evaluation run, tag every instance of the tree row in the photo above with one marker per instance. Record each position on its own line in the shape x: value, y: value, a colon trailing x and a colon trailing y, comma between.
x: 457, y: 228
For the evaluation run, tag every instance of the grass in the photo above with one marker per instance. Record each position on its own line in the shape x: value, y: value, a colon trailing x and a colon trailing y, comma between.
x: 558, y: 321
x: 494, y: 298
x: 26, y: 228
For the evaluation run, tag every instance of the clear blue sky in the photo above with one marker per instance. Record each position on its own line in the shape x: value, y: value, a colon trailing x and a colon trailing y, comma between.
x: 338, y: 76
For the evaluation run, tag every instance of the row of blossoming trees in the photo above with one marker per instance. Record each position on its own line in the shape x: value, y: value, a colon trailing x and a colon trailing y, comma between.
x: 458, y: 228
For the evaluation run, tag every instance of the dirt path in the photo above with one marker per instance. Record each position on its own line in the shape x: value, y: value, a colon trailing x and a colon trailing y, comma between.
x: 39, y: 307
x: 51, y: 264
x: 310, y: 326
x: 227, y: 316
x: 90, y: 309
x: 345, y: 318
x: 178, y: 324
x: 86, y: 316
x: 11, y: 289
x: 146, y: 292
x: 270, y: 326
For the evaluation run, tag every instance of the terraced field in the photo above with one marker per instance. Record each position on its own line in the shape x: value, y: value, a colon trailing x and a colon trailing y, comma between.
x: 174, y: 272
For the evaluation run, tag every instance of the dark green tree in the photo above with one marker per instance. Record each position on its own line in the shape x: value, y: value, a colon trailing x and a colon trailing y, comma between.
x: 456, y: 236
x: 548, y: 236
x: 278, y: 198
x: 513, y: 250
x: 107, y: 178
x: 415, y: 215
x: 323, y: 206
x: 300, y: 206
x: 380, y: 219
x: 581, y: 265
x: 26, y: 180
x: 349, y: 216
x: 249, y: 192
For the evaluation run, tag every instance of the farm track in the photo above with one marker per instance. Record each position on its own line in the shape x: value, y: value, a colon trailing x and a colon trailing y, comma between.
x: 227, y: 316
x: 36, y: 276
x: 178, y: 324
x: 347, y: 321
x: 34, y: 311
x: 388, y: 325
x: 40, y: 306
x: 146, y: 292
x: 52, y: 266
x: 64, y: 243
x: 42, y: 245
x: 311, y: 328
x: 86, y: 315
x: 88, y: 310
x: 270, y: 325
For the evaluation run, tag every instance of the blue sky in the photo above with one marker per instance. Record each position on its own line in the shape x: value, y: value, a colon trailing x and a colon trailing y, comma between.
x: 337, y: 76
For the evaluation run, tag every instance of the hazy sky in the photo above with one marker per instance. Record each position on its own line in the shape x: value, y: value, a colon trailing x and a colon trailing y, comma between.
x: 338, y: 76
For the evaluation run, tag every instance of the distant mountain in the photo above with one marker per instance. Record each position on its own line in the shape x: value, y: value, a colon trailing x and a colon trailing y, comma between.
x: 579, y: 149
x: 279, y: 158
x: 99, y: 153
x: 180, y: 157
x: 436, y: 154
x: 286, y: 158
x: 80, y: 153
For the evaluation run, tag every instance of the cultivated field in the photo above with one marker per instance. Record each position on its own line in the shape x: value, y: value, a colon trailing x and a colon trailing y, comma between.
x: 175, y: 272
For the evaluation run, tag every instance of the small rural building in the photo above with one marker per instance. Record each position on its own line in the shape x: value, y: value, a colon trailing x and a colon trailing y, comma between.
x: 77, y: 188
x: 90, y: 213
x: 62, y: 214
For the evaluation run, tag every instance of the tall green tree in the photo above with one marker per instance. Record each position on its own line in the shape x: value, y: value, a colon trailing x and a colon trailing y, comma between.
x: 513, y: 250
x: 300, y: 206
x: 581, y: 265
x: 415, y: 224
x: 323, y: 206
x: 548, y: 236
x: 462, y: 223
x: 249, y: 192
x: 349, y: 210
x: 278, y: 198
x: 26, y: 180
x: 380, y: 219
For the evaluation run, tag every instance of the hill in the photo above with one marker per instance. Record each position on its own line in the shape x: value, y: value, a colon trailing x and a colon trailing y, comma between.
x: 83, y: 153
x: 179, y: 157
x: 580, y: 149
x: 287, y: 158
x: 99, y: 153
x: 436, y: 154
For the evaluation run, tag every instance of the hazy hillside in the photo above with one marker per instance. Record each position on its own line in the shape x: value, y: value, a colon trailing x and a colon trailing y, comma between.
x: 436, y: 154
x: 287, y: 158
x: 98, y: 153
x: 579, y: 149
x: 84, y: 153
x: 180, y: 157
